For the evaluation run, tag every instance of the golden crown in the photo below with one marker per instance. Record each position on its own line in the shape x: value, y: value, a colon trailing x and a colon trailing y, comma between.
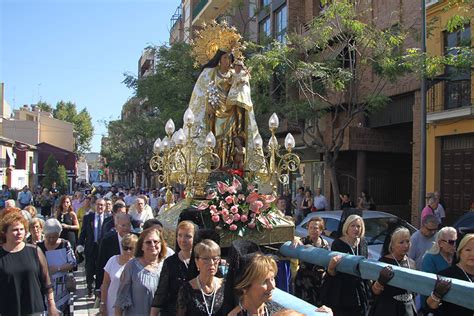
x: 214, y: 36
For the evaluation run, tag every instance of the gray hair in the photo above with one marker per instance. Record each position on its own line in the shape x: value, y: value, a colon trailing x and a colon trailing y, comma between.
x: 52, y: 226
x: 434, y: 250
x: 430, y: 219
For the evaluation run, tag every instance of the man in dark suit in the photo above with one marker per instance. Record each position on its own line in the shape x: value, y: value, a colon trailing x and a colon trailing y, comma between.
x: 111, y: 243
x: 109, y: 222
x: 90, y: 239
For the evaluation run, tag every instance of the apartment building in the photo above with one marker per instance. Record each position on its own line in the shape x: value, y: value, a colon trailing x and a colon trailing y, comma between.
x: 450, y: 117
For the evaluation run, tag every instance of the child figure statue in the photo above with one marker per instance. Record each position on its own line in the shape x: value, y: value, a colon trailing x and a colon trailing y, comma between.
x: 238, y: 154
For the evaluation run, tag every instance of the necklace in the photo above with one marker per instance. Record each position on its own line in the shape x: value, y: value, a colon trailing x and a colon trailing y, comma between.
x: 265, y: 310
x: 465, y: 273
x: 356, y: 252
x: 398, y: 263
x: 204, y: 294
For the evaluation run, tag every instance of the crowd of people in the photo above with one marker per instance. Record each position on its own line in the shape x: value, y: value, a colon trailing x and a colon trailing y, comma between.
x: 132, y: 271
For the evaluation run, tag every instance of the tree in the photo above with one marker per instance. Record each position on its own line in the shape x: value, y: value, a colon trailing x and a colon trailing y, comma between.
x: 158, y: 97
x: 326, y: 66
x: 53, y: 172
x: 45, y: 107
x: 82, y: 121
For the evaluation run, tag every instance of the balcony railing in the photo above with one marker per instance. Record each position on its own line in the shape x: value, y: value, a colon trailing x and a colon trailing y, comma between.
x: 198, y: 8
x: 447, y: 95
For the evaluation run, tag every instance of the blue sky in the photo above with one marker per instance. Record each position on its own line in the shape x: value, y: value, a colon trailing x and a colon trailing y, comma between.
x: 77, y: 50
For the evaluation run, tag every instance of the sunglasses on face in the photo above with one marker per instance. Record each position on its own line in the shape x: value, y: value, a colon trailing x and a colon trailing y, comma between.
x: 127, y: 248
x: 450, y: 241
x: 152, y: 242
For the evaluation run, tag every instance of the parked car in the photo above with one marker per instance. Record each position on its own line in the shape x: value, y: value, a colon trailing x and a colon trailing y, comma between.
x: 465, y: 224
x: 103, y: 184
x: 376, y: 225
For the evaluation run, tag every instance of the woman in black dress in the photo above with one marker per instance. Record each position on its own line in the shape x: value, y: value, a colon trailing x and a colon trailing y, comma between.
x: 24, y: 277
x: 347, y: 294
x: 463, y: 270
x: 309, y: 278
x: 390, y: 300
x: 174, y: 273
x: 68, y: 219
x: 203, y: 295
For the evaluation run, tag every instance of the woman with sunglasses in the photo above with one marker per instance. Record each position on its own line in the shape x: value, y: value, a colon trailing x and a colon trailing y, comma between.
x: 141, y: 275
x: 175, y: 272
x: 112, y: 272
x: 203, y: 295
x: 441, y: 254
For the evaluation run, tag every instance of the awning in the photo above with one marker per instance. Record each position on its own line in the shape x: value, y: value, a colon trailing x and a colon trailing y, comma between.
x: 10, y: 156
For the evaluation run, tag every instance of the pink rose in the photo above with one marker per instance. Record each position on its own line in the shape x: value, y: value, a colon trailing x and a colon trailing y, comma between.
x: 233, y: 227
x: 269, y: 198
x: 229, y: 220
x: 225, y: 212
x: 215, y: 218
x: 241, y: 197
x: 234, y: 209
x: 243, y: 218
x: 229, y: 199
x: 236, y: 184
x: 221, y: 187
x: 251, y: 225
x: 236, y: 217
x: 256, y: 206
x: 211, y: 195
x: 213, y: 208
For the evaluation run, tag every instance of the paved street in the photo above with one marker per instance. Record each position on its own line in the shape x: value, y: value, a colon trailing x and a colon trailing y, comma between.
x: 83, y: 305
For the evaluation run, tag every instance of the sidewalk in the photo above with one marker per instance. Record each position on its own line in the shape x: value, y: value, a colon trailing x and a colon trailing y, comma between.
x: 83, y: 305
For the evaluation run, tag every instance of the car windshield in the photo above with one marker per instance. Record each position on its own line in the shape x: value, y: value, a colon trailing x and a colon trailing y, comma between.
x: 376, y: 229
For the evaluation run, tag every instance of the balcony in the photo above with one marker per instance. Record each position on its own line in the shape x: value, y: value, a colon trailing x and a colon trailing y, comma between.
x: 208, y: 10
x: 449, y: 100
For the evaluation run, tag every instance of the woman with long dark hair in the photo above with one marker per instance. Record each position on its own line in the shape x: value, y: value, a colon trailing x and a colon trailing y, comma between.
x: 67, y: 217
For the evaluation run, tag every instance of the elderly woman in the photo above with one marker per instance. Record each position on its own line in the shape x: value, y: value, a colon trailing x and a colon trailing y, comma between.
x: 68, y: 219
x: 463, y: 270
x: 141, y: 275
x: 112, y: 273
x: 24, y: 277
x: 441, y: 254
x: 175, y: 272
x: 203, y: 295
x: 344, y: 293
x: 390, y: 300
x: 36, y: 231
x: 61, y: 260
x: 309, y: 278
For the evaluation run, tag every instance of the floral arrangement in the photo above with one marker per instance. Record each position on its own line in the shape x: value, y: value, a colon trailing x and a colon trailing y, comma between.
x: 231, y: 206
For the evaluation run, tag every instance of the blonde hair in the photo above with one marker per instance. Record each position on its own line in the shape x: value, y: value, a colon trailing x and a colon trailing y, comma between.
x: 129, y: 239
x: 435, y: 249
x: 34, y: 221
x: 463, y: 244
x: 206, y: 246
x: 397, y: 233
x: 186, y: 225
x: 256, y: 271
x: 352, y: 218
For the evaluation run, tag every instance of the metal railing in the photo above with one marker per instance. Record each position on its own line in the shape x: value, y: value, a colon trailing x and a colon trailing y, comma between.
x: 447, y: 95
x: 408, y: 279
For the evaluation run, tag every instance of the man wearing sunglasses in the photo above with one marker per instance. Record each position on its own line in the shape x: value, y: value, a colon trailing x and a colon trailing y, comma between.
x: 423, y: 239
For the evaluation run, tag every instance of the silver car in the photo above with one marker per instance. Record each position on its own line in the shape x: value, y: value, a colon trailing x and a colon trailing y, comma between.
x: 376, y: 224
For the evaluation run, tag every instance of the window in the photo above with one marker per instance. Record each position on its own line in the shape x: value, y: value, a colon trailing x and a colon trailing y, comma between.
x: 452, y: 42
x: 264, y: 3
x: 281, y: 23
x: 264, y: 30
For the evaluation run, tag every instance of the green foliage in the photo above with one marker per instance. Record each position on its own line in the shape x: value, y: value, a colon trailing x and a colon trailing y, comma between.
x: 53, y: 172
x: 158, y: 97
x: 45, y: 107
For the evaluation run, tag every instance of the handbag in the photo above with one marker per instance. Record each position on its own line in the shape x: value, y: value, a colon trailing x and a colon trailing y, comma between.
x: 70, y: 283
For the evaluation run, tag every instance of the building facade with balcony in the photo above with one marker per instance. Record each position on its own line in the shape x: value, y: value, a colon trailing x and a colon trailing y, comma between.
x: 381, y: 150
x: 450, y: 117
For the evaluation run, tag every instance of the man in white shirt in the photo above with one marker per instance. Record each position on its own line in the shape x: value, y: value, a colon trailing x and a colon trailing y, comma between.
x: 141, y: 213
x: 320, y: 201
x: 130, y: 198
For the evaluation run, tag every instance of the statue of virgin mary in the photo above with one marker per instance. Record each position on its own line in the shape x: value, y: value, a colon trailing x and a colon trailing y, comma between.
x: 213, y: 109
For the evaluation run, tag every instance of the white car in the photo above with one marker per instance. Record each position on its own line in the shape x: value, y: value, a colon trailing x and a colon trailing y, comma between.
x: 376, y: 224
